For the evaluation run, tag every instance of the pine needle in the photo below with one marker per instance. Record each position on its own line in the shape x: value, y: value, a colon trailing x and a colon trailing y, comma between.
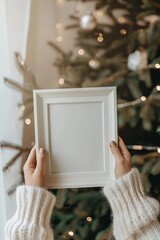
x: 58, y: 49
x: 5, y: 145
x: 25, y: 71
x: 18, y: 87
x: 12, y: 161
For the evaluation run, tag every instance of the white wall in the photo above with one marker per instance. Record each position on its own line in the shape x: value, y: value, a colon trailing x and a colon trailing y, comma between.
x: 14, y: 16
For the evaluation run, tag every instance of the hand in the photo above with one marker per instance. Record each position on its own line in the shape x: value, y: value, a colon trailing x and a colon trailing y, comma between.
x: 122, y: 158
x: 34, y: 169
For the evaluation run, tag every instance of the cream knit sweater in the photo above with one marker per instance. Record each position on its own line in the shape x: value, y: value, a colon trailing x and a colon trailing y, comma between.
x: 134, y: 214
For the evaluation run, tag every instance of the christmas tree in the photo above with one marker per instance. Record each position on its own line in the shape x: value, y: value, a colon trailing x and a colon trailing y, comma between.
x: 118, y: 44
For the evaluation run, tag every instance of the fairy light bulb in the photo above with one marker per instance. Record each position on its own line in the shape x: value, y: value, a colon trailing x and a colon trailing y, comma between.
x: 23, y: 107
x: 92, y: 63
x: 158, y: 149
x: 137, y: 147
x: 158, y: 88
x: 58, y: 25
x: 123, y: 31
x: 157, y: 65
x: 61, y: 81
x: 71, y: 233
x: 59, y: 38
x: 143, y: 98
x: 89, y: 219
x: 99, y: 13
x: 100, y: 38
x: 60, y: 1
x: 28, y: 121
x: 121, y: 20
x: 81, y: 51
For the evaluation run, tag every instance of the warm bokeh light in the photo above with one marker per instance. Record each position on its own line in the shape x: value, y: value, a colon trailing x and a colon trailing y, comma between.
x: 28, y: 121
x: 157, y: 65
x: 100, y: 38
x: 23, y: 108
x: 81, y: 51
x: 70, y: 233
x: 59, y: 38
x: 89, y: 219
x: 61, y: 81
x: 143, y: 98
x: 58, y: 25
x: 158, y: 88
x: 123, y: 31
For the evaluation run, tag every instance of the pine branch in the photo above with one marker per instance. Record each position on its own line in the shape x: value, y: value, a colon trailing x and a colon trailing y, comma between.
x: 8, y: 145
x: 14, y: 85
x: 12, y: 161
x: 106, y: 81
x: 13, y: 188
x: 57, y: 48
x: 26, y: 113
x: 26, y: 102
x: 71, y: 26
x: 25, y: 71
x: 74, y: 17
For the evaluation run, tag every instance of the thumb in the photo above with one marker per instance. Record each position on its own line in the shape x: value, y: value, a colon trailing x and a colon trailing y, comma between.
x: 41, y: 160
x: 116, y: 152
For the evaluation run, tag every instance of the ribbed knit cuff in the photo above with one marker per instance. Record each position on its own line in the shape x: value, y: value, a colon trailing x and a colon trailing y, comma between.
x: 132, y: 208
x: 32, y: 217
x: 34, y: 203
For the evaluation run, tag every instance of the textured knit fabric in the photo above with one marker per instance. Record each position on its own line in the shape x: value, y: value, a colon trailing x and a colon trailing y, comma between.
x: 135, y: 215
x: 32, y: 218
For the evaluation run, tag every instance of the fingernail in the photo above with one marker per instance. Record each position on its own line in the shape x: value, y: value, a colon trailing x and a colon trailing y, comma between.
x: 42, y: 151
x: 113, y: 144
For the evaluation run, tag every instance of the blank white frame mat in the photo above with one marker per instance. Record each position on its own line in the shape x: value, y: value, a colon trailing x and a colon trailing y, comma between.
x: 75, y: 127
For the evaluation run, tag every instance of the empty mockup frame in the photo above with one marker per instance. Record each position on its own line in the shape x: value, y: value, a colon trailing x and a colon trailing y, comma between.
x: 75, y: 127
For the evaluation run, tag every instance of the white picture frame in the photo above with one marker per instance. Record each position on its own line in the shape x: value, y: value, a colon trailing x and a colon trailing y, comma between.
x: 75, y: 127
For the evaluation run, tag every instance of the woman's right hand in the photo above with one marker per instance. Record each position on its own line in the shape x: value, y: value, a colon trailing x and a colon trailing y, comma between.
x: 34, y: 169
x: 122, y: 157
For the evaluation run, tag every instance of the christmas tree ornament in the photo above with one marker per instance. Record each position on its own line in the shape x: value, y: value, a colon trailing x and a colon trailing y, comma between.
x: 88, y: 22
x: 138, y: 60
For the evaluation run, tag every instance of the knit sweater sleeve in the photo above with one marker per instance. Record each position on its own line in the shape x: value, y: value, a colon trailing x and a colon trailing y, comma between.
x: 135, y: 215
x: 32, y: 218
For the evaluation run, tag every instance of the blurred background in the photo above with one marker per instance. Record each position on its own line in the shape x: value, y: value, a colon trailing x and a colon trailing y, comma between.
x: 70, y: 44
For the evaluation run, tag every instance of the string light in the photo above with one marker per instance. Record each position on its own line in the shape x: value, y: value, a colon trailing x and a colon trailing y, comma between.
x: 71, y: 233
x: 157, y: 65
x: 99, y: 13
x: 81, y: 51
x: 92, y: 63
x: 143, y: 98
x: 139, y: 100
x: 141, y: 147
x: 123, y: 31
x: 61, y: 81
x: 59, y: 38
x: 58, y: 25
x: 100, y: 38
x: 89, y: 219
x: 158, y: 88
x: 23, y: 108
x: 154, y: 66
x: 28, y: 121
x: 121, y: 20
x: 60, y: 1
